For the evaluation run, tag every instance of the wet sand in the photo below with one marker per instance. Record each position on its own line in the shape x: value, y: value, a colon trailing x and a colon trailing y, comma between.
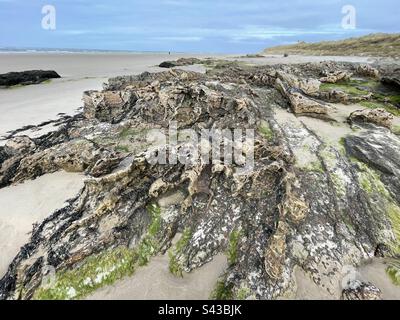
x: 155, y: 282
x: 30, y: 202
x: 374, y: 271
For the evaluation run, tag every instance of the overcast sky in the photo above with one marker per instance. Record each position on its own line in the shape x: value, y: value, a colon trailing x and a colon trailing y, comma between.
x: 189, y: 25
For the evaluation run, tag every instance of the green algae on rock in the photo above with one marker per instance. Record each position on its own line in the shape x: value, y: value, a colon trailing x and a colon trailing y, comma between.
x: 93, y: 273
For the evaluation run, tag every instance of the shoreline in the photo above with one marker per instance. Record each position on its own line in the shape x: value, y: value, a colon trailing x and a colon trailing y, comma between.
x: 34, y: 104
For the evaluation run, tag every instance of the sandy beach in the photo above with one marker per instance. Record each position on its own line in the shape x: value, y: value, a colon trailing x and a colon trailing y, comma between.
x: 28, y: 203
x: 32, y: 105
x: 155, y: 282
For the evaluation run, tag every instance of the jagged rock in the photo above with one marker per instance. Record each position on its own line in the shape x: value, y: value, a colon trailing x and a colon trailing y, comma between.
x: 145, y: 79
x: 392, y: 78
x: 19, y: 145
x: 26, y: 77
x: 3, y: 155
x: 339, y: 96
x: 367, y: 71
x: 292, y: 88
x: 336, y: 96
x: 274, y: 256
x: 74, y: 156
x: 302, y: 105
x: 378, y: 116
x: 105, y: 165
x: 382, y: 251
x: 108, y: 106
x: 308, y: 86
x: 180, y: 62
x: 358, y: 290
x: 335, y: 76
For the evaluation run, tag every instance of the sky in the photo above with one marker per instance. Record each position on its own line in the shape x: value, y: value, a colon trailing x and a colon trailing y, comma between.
x: 209, y: 26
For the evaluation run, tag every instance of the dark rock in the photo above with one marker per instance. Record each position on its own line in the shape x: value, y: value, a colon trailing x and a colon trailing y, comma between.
x: 3, y: 155
x: 179, y: 63
x: 26, y: 77
x: 382, y: 251
x: 392, y: 77
x: 358, y: 290
x: 379, y: 151
x: 168, y: 64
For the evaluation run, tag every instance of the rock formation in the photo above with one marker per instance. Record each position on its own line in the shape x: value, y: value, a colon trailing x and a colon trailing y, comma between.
x: 393, y: 78
x: 306, y: 203
x: 335, y: 76
x: 180, y: 62
x: 378, y: 116
x: 26, y: 77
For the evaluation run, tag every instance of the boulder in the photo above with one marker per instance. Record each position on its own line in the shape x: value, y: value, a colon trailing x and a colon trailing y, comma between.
x: 27, y: 77
x: 378, y: 116
x: 167, y: 64
x: 295, y: 90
